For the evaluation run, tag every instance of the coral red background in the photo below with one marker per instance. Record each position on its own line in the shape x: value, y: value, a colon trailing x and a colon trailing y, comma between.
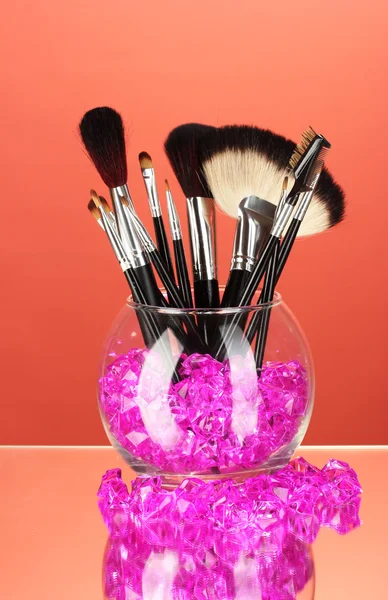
x: 275, y: 64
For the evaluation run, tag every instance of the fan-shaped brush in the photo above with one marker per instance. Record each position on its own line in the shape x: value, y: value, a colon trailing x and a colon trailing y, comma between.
x: 245, y: 168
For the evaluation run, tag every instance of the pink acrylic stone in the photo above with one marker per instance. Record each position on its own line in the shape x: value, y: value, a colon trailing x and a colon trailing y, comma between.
x: 299, y: 498
x: 220, y: 417
x: 220, y: 539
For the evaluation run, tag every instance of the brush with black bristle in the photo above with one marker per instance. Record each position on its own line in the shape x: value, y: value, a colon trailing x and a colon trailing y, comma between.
x: 179, y: 252
x: 148, y: 172
x: 181, y: 147
x: 102, y: 133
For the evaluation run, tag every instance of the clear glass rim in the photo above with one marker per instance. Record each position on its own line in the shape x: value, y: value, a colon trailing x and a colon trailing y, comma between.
x: 232, y: 310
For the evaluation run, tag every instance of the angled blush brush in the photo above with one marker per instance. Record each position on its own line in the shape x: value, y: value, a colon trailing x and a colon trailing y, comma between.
x: 181, y: 148
x: 148, y: 173
x: 179, y: 252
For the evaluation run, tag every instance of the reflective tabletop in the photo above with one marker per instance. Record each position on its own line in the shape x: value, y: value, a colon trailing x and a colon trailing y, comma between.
x: 53, y: 538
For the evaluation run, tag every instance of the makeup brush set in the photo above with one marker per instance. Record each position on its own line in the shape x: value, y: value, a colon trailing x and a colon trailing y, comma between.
x: 276, y: 191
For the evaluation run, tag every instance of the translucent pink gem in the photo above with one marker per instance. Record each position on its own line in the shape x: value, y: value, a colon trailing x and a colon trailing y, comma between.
x: 219, y: 417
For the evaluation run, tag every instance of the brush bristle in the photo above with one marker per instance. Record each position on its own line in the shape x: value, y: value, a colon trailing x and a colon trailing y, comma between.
x: 102, y: 133
x: 145, y: 161
x: 307, y: 137
x: 124, y: 201
x: 181, y: 147
x: 242, y: 161
x: 327, y: 207
x: 95, y: 197
x: 167, y: 185
x: 105, y: 205
x: 92, y: 208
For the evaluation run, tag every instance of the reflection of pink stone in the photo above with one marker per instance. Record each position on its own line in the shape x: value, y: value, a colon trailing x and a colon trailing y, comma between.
x: 221, y: 539
x: 299, y: 498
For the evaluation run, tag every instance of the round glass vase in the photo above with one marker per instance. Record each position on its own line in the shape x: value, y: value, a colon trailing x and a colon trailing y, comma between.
x: 183, y: 393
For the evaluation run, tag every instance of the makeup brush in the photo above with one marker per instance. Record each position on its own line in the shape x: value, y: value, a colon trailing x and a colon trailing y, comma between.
x: 97, y: 206
x: 172, y: 290
x: 179, y: 252
x: 102, y: 133
x: 331, y: 194
x: 311, y: 147
x: 251, y: 163
x: 148, y: 173
x: 181, y: 147
x: 138, y: 259
x: 156, y: 258
x: 274, y: 272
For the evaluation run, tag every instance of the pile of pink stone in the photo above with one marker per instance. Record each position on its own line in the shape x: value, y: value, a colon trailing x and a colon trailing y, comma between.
x: 219, y: 418
x: 221, y: 539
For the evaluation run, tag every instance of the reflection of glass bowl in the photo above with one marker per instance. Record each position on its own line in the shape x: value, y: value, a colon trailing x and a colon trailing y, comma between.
x: 172, y: 409
x: 137, y: 569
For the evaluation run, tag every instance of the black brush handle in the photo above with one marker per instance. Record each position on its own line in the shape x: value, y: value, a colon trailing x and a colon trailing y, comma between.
x: 149, y: 294
x: 251, y: 286
x: 182, y: 273
x: 162, y: 244
x: 283, y: 254
x: 207, y: 295
x: 286, y: 245
x: 175, y: 296
x: 149, y: 332
x: 265, y: 314
x: 176, y: 301
x: 147, y: 282
x: 234, y: 287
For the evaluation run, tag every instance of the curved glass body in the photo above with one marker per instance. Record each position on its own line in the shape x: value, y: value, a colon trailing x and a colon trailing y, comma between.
x: 182, y: 393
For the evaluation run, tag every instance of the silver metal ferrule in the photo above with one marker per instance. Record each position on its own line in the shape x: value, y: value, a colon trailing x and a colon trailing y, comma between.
x: 305, y: 200
x: 283, y: 198
x: 150, y: 183
x: 114, y: 240
x: 173, y: 217
x: 122, y: 190
x: 131, y: 242
x: 145, y: 237
x: 303, y: 205
x: 282, y: 220
x: 201, y: 217
x: 255, y: 220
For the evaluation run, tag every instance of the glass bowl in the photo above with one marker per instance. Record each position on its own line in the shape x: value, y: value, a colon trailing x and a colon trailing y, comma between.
x: 184, y: 393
